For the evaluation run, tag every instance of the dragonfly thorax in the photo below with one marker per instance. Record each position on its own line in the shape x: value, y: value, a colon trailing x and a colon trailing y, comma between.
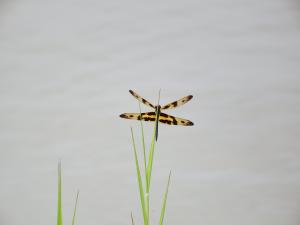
x: 157, y: 109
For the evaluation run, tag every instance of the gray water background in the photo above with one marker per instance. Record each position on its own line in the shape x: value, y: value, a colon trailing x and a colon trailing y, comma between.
x: 65, y: 71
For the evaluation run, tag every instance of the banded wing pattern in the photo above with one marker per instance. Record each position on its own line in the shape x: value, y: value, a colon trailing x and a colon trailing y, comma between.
x: 142, y: 100
x: 163, y: 118
x: 177, y: 103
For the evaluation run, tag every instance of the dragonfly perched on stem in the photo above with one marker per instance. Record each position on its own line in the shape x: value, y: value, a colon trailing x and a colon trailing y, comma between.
x: 161, y: 117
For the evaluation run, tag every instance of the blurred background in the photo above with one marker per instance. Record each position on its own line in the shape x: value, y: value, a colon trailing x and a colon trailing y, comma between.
x: 65, y: 71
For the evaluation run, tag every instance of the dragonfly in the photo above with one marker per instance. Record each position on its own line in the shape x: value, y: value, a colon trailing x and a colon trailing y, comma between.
x: 161, y: 117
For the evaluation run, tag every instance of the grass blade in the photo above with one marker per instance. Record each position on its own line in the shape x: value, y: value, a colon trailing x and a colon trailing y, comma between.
x: 143, y: 140
x: 145, y: 164
x: 154, y: 138
x: 163, y: 208
x: 141, y: 189
x: 74, y: 214
x: 132, y: 221
x: 150, y: 158
x: 59, y: 200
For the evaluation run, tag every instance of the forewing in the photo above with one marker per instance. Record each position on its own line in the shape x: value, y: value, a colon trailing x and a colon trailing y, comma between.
x: 177, y: 103
x: 141, y: 99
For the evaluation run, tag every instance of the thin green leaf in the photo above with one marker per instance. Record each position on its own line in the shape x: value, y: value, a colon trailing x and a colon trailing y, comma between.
x: 158, y: 96
x: 143, y: 140
x: 163, y: 209
x: 132, y: 221
x: 75, y: 208
x: 141, y: 189
x: 151, y: 155
x: 152, y: 148
x: 59, y: 200
x: 145, y: 164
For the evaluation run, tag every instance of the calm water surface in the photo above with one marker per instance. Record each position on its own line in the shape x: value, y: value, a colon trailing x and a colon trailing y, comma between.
x: 65, y: 71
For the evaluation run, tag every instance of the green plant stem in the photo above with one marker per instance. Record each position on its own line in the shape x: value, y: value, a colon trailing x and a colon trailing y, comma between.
x: 141, y: 189
x: 75, y: 208
x: 163, y: 208
x: 59, y: 201
x: 132, y: 220
x: 143, y: 139
x: 145, y: 165
x: 151, y: 155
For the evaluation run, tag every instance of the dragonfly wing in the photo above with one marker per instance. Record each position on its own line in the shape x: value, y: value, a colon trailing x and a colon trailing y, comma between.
x: 149, y: 116
x: 177, y: 103
x: 172, y: 120
x: 133, y: 116
x: 141, y: 99
x: 163, y: 118
x: 139, y: 116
